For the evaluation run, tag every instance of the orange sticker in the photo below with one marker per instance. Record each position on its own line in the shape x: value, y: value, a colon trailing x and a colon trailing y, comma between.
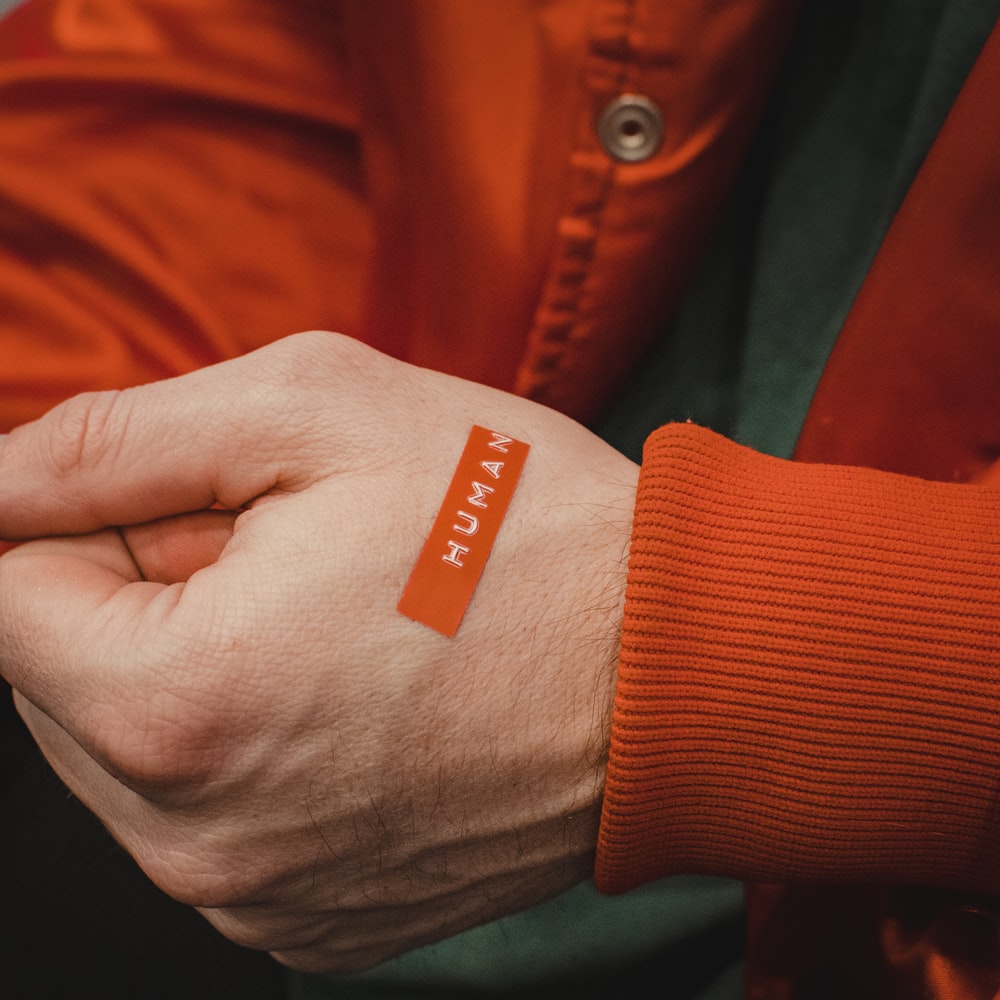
x: 455, y: 553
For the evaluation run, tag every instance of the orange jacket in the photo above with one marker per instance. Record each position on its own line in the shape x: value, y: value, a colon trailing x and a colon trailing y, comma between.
x: 806, y: 680
x: 188, y: 179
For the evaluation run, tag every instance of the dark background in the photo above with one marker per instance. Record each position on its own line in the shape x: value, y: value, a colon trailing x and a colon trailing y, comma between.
x: 77, y: 916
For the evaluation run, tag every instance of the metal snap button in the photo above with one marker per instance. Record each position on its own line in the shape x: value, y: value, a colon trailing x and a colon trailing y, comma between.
x: 630, y: 128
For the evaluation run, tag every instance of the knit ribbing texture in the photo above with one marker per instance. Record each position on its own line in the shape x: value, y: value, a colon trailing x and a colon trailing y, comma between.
x: 808, y: 679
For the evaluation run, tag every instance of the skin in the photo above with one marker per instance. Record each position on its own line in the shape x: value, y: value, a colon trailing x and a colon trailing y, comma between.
x: 201, y: 633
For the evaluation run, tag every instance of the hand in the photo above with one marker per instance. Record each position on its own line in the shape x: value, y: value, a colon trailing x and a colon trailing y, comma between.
x: 225, y: 679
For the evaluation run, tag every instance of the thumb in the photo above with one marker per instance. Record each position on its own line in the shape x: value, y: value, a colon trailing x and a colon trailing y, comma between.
x: 220, y: 436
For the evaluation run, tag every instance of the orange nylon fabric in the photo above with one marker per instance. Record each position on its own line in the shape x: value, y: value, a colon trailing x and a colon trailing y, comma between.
x: 184, y: 180
x: 178, y: 184
x: 629, y: 236
x: 911, y: 383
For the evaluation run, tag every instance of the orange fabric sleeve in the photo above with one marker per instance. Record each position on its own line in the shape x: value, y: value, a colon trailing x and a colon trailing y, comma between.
x: 179, y: 183
x: 809, y: 673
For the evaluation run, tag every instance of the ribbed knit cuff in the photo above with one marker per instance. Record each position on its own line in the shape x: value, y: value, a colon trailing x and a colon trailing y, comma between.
x: 809, y: 681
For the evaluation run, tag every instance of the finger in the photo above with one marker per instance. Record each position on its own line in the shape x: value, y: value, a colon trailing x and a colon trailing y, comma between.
x: 173, y: 549
x: 111, y: 657
x: 62, y: 596
x: 223, y: 435
x: 80, y: 773
x: 137, y: 824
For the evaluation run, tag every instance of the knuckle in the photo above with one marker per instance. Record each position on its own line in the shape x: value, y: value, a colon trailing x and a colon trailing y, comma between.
x: 244, y: 934
x: 198, y: 880
x: 261, y: 928
x: 309, y: 962
x: 160, y: 751
x: 328, y: 387
x: 332, y: 955
x: 86, y: 432
x: 318, y: 360
x: 140, y: 763
x: 307, y: 360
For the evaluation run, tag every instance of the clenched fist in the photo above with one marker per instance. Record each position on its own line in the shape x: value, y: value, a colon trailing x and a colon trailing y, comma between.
x: 203, y: 638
